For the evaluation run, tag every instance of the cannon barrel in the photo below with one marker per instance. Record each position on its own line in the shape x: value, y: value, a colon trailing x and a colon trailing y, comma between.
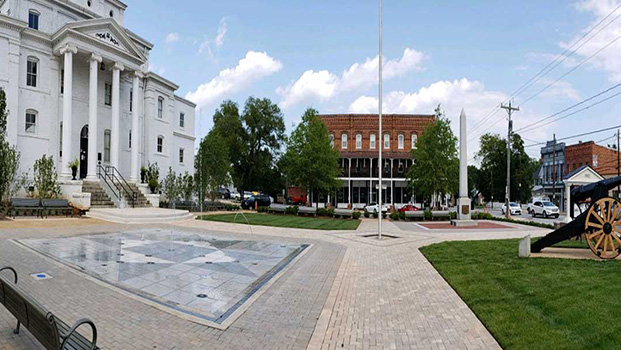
x: 586, y: 191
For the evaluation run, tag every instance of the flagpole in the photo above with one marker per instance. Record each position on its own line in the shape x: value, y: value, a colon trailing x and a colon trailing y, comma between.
x: 381, y: 143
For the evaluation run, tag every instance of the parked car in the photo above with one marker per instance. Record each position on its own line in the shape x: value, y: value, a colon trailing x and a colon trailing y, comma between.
x: 408, y: 207
x: 224, y: 193
x: 545, y: 209
x: 514, y: 208
x: 374, y: 208
x: 235, y: 195
x: 298, y: 200
x: 263, y: 200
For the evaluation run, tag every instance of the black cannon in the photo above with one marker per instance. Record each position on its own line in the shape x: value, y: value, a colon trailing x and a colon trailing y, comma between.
x: 599, y: 223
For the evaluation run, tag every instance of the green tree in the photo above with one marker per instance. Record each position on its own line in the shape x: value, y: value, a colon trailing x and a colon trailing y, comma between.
x: 213, y: 165
x: 310, y: 161
x: 9, y: 157
x: 170, y: 185
x: 46, y: 178
x: 436, y: 167
x: 254, y: 139
x: 492, y: 180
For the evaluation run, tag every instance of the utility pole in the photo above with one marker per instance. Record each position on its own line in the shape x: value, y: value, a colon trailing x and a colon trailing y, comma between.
x: 510, y: 110
x: 381, y: 145
x: 554, y: 170
x: 618, y: 169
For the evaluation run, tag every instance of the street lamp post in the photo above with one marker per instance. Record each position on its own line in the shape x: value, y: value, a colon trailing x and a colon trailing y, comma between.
x: 380, y: 163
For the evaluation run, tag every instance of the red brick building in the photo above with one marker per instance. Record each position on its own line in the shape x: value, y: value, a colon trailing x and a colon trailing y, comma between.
x: 356, y: 138
x: 601, y: 158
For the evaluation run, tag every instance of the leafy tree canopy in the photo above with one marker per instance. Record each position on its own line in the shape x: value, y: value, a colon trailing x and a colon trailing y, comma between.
x: 436, y: 165
x: 492, y: 178
x: 310, y: 161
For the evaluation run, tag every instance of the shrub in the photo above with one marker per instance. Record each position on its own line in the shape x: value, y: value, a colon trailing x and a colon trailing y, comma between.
x: 322, y: 212
x: 45, y: 178
x: 394, y: 216
x: 231, y: 207
x: 366, y: 214
x: 401, y: 215
x: 330, y: 212
x: 292, y: 210
x: 428, y: 215
x: 262, y: 209
x: 481, y: 216
x: 375, y: 215
x: 453, y: 215
x: 356, y: 215
x: 384, y: 215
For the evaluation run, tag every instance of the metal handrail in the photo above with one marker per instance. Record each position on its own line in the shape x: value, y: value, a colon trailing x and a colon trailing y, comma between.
x: 119, y: 182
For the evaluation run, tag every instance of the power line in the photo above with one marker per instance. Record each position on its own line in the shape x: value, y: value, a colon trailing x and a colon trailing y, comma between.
x: 579, y: 135
x: 530, y: 126
x: 545, y: 69
x: 565, y: 57
x: 572, y: 69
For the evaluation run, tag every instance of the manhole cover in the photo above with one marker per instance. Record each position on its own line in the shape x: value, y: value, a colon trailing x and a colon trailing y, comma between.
x: 150, y: 263
x: 208, y: 262
x: 40, y: 276
x: 202, y: 296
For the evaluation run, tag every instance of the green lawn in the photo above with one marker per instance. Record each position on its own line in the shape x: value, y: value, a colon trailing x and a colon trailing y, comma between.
x: 535, y: 303
x: 292, y: 221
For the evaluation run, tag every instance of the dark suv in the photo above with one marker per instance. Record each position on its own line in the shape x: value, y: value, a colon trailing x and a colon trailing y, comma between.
x: 263, y: 200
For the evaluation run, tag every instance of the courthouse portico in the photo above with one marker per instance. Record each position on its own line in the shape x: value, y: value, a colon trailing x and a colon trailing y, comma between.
x: 78, y: 86
x: 121, y: 55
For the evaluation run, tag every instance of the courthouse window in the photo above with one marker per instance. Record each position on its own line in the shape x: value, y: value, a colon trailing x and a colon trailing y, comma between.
x: 33, y: 19
x: 180, y: 155
x: 31, y: 121
x: 344, y: 141
x: 372, y: 141
x: 414, y: 140
x: 108, y: 94
x: 106, y: 145
x: 160, y: 144
x: 331, y: 140
x: 400, y: 141
x: 358, y: 141
x: 386, y: 141
x: 32, y: 69
x: 160, y: 107
x: 182, y: 120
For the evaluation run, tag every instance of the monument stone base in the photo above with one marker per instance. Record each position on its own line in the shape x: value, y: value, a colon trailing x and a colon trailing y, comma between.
x: 463, y: 214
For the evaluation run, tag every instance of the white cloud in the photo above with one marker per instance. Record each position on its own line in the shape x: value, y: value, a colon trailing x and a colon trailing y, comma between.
x: 171, y: 38
x: 254, y: 66
x: 608, y: 59
x: 470, y: 95
x: 206, y: 46
x: 221, y: 32
x: 323, y: 85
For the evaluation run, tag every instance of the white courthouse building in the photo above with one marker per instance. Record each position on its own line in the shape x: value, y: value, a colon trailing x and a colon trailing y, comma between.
x: 78, y: 87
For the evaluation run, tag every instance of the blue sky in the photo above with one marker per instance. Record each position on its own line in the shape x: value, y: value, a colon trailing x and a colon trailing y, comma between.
x: 462, y: 54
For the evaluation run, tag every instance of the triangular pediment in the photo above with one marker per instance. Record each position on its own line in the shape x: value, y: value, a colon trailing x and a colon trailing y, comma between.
x: 585, y: 175
x: 107, y: 31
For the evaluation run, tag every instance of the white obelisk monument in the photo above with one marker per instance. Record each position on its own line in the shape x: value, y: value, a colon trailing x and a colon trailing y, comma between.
x: 463, y: 202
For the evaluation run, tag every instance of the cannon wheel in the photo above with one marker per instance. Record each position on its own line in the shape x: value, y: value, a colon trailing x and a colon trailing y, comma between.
x: 601, y: 229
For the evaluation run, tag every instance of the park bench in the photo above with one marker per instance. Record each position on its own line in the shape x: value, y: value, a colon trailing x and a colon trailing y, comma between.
x: 56, y: 204
x: 277, y: 208
x: 440, y: 214
x: 47, y: 328
x: 307, y: 210
x: 415, y: 215
x: 26, y: 204
x: 345, y: 213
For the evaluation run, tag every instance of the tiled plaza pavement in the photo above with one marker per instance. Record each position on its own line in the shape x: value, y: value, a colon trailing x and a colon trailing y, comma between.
x: 346, y: 292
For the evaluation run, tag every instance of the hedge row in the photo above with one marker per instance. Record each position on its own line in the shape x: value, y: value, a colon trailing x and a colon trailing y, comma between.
x: 326, y: 212
x: 488, y: 216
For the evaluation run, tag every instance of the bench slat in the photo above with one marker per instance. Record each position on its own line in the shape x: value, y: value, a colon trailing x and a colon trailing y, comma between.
x: 77, y: 341
x: 44, y: 326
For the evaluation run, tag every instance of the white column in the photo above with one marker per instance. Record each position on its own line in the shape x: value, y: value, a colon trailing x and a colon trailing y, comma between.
x: 68, y: 51
x: 567, y: 202
x: 93, y: 132
x: 114, y: 132
x: 135, y: 161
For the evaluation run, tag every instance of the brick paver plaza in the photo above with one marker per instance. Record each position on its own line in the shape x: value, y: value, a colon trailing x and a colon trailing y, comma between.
x: 345, y: 291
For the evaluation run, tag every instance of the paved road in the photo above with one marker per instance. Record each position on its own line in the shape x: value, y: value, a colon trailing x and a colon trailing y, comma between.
x: 525, y: 216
